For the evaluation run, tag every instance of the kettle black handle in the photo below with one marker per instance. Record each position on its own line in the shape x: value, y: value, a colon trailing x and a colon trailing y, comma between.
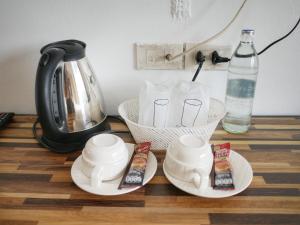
x: 48, y: 64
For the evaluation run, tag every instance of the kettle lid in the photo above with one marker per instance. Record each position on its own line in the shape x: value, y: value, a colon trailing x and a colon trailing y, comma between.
x: 74, y: 49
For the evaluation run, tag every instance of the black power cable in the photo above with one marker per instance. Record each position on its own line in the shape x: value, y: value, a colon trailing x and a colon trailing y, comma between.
x: 218, y: 59
x: 200, y: 58
x: 274, y: 42
x: 120, y: 119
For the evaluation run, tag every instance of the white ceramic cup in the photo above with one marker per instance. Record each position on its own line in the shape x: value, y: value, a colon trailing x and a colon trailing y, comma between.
x: 190, y: 159
x: 104, y: 157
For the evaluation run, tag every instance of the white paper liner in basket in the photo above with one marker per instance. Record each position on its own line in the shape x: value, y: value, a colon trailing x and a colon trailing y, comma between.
x: 160, y: 138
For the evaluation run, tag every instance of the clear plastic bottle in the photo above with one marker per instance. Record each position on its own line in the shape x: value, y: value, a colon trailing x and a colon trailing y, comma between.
x: 241, y: 82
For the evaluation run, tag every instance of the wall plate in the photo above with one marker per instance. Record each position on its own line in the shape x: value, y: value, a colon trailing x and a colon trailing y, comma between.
x: 153, y: 57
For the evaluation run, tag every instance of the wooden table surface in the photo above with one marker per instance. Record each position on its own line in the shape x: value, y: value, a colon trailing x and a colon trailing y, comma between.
x: 36, y: 187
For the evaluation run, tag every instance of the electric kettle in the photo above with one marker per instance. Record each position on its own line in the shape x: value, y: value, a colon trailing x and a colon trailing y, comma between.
x: 68, y: 100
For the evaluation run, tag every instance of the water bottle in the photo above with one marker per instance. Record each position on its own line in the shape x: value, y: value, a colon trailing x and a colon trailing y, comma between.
x: 241, y: 81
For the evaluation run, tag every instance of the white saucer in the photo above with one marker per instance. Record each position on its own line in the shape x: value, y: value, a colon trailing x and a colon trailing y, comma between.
x: 111, y: 187
x: 242, y: 176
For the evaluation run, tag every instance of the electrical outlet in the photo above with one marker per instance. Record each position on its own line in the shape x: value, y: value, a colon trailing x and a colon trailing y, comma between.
x: 190, y: 62
x: 153, y: 57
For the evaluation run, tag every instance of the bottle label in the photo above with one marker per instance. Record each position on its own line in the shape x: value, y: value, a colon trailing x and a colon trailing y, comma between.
x: 241, y: 88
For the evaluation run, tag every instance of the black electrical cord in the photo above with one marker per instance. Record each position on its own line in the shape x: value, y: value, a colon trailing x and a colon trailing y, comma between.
x: 39, y: 139
x: 120, y: 119
x: 280, y: 39
x: 200, y: 58
x: 218, y: 59
x: 197, y: 72
x: 34, y: 130
x: 117, y: 118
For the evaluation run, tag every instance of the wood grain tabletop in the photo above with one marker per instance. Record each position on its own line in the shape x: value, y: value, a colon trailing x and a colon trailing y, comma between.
x: 36, y: 186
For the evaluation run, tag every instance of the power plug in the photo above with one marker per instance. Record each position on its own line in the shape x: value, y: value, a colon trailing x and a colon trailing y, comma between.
x: 207, y: 51
x: 216, y: 58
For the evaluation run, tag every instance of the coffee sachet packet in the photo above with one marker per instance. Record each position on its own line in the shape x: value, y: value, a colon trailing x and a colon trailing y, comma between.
x: 221, y: 175
x: 135, y: 171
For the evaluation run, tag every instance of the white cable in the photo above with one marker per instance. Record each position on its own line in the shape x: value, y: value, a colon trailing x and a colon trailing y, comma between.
x: 170, y: 57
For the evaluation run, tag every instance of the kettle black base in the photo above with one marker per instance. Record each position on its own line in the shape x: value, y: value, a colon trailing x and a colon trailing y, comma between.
x: 61, y: 147
x: 72, y: 142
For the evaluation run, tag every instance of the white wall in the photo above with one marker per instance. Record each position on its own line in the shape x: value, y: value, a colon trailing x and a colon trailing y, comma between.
x: 110, y: 28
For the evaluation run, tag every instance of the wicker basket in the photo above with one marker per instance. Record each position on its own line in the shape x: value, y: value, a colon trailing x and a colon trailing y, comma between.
x: 161, y: 137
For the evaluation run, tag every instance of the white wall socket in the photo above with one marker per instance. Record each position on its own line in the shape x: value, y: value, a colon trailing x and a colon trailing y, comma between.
x: 153, y: 56
x: 190, y: 62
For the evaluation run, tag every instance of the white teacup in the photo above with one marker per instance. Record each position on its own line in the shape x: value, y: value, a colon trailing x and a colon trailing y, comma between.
x: 104, y: 157
x: 190, y: 159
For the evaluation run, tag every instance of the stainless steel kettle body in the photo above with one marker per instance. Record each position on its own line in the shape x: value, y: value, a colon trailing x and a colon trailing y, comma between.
x: 69, y: 102
x: 82, y: 99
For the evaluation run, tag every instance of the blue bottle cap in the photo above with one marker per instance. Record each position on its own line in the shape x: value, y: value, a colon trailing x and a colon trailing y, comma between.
x: 248, y: 31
